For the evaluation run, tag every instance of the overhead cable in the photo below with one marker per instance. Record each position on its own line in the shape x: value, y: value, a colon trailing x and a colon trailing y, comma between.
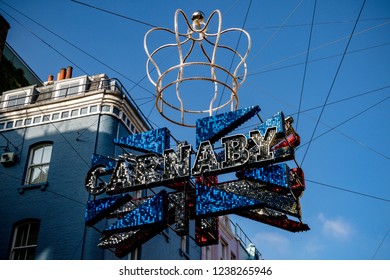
x: 306, y: 62
x: 333, y: 82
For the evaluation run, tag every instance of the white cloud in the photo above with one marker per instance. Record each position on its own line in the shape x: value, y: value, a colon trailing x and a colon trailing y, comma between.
x: 271, y: 239
x: 337, y: 227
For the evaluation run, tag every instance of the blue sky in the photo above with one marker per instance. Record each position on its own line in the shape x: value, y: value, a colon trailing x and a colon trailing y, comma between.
x: 346, y: 203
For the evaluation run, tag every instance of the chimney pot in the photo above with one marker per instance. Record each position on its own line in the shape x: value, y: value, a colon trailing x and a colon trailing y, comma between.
x: 62, y: 74
x: 69, y: 72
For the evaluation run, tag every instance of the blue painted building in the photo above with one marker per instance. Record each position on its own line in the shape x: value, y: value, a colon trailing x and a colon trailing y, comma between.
x: 47, y: 136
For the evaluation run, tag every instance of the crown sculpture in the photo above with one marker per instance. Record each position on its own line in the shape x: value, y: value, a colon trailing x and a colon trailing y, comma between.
x: 175, y: 98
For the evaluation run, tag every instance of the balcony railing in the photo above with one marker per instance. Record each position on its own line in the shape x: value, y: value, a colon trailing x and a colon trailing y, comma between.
x: 62, y: 90
x: 243, y: 238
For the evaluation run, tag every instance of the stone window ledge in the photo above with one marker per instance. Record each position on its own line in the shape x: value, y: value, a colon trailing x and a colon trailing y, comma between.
x: 41, y: 186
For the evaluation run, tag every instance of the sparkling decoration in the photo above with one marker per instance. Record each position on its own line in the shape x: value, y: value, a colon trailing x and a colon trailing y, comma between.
x: 267, y: 190
x: 151, y: 212
x: 108, y: 162
x: 154, y: 141
x: 98, y: 209
x: 275, y: 220
x: 276, y: 175
x: 173, y: 101
x: 214, y: 202
x: 215, y: 127
x: 253, y: 192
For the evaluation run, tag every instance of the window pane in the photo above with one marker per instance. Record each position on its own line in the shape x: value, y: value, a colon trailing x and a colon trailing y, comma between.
x: 83, y: 111
x: 73, y: 88
x: 9, y: 124
x: 21, y: 236
x: 33, y: 234
x: 34, y: 175
x: 46, y: 154
x: 55, y: 116
x: 21, y: 99
x: 36, y: 119
x: 74, y: 113
x: 19, y: 254
x: 63, y: 92
x: 18, y: 123
x: 30, y: 254
x: 37, y: 156
x: 106, y: 108
x: 11, y: 102
x: 39, y: 174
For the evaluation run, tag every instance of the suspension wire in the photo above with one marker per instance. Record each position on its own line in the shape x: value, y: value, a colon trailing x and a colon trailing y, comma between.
x: 380, y: 244
x: 317, y: 59
x: 349, y: 191
x: 323, y: 46
x: 46, y: 43
x: 83, y: 51
x: 8, y: 141
x: 115, y: 14
x: 317, y: 23
x: 235, y: 50
x: 343, y: 122
x: 344, y: 99
x: 67, y: 197
x: 333, y: 82
x: 306, y: 62
x: 277, y: 31
x: 338, y: 131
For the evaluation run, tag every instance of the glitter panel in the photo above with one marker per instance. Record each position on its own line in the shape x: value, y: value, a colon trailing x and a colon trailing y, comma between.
x: 151, y: 212
x: 103, y: 160
x: 279, y: 221
x: 98, y: 209
x: 214, y: 127
x: 214, y: 202
x: 276, y: 121
x: 256, y: 191
x: 277, y: 175
x: 155, y: 141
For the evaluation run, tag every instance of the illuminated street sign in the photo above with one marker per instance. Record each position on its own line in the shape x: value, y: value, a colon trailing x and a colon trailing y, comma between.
x: 264, y: 188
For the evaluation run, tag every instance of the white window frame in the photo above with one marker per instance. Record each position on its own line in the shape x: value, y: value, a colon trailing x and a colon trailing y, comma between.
x: 78, y: 83
x: 32, y: 166
x: 25, y: 238
x: 21, y: 100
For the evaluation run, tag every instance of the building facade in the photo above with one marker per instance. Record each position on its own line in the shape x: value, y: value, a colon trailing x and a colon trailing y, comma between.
x: 48, y: 135
x: 233, y: 244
